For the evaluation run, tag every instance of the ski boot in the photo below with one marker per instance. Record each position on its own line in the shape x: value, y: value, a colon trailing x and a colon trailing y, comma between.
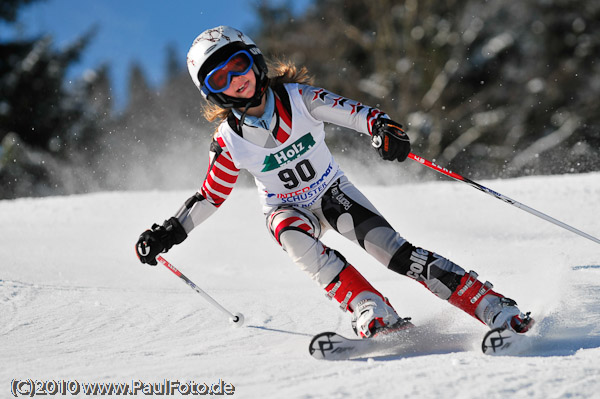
x: 507, y: 328
x: 371, y: 312
x: 503, y: 313
x: 491, y: 308
x: 374, y: 316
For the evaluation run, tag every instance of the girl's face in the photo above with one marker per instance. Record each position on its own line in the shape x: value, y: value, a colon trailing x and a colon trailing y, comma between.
x: 242, y: 86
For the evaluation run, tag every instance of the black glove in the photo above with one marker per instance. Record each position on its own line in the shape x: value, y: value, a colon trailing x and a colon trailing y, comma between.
x: 389, y: 140
x: 159, y: 239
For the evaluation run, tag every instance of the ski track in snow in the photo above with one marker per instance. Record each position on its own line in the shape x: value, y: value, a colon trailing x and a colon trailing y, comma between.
x: 77, y: 305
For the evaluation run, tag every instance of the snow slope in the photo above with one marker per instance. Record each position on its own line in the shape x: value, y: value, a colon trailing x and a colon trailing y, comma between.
x: 75, y: 304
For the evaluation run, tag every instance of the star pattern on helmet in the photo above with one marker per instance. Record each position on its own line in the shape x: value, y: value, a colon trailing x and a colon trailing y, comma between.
x: 211, y: 35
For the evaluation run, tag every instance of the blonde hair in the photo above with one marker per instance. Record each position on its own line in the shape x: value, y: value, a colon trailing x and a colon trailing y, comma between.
x: 280, y: 72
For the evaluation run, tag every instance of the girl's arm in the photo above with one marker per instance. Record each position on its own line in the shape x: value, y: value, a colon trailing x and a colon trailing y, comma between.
x: 387, y: 137
x: 333, y: 108
x: 218, y: 184
x: 220, y: 178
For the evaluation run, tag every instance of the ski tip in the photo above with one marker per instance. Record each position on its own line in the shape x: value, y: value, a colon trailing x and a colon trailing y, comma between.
x: 502, y: 341
x: 320, y: 344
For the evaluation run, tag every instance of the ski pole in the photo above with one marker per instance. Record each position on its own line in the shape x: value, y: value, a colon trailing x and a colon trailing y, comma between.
x: 236, y: 318
x: 501, y: 197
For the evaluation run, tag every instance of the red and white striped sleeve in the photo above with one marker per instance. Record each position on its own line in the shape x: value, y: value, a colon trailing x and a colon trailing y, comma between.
x: 220, y: 179
x: 221, y: 175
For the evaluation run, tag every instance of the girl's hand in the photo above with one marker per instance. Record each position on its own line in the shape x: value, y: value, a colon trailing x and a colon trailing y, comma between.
x: 389, y: 140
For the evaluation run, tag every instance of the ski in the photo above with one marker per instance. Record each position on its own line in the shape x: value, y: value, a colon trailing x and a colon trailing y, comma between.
x: 332, y: 346
x: 504, y: 342
x: 407, y: 342
x: 415, y: 341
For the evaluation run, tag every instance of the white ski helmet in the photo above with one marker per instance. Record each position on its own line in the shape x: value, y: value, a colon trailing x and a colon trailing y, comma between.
x: 214, y: 46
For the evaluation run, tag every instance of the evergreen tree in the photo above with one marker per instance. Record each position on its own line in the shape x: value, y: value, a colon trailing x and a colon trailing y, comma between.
x: 10, y: 8
x: 494, y: 88
x: 46, y: 130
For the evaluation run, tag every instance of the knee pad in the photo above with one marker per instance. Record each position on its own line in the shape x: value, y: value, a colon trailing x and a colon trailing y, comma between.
x: 298, y: 231
x: 290, y: 218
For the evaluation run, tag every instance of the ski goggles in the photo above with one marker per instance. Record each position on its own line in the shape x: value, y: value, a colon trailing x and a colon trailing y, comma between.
x: 219, y: 79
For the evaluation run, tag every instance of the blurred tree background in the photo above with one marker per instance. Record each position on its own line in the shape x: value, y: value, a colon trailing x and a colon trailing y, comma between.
x: 491, y: 89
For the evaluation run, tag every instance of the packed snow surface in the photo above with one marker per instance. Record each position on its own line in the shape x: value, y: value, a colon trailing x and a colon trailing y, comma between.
x: 76, y: 305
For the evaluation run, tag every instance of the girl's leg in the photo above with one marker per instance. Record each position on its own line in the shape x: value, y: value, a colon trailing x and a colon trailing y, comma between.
x: 350, y: 213
x: 298, y: 231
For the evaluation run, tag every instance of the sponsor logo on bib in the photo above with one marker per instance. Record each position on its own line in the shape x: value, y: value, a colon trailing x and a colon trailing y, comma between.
x: 289, y: 153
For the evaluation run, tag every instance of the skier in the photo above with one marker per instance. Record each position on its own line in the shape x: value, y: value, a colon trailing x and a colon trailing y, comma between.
x: 272, y: 126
